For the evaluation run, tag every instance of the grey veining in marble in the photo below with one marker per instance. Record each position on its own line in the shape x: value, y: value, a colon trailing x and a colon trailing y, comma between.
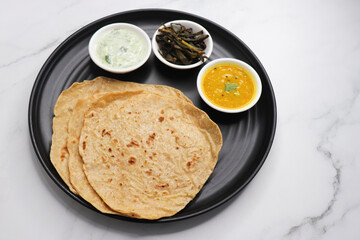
x: 308, y: 187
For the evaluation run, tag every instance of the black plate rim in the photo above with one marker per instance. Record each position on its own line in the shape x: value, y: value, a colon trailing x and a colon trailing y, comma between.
x: 39, y: 81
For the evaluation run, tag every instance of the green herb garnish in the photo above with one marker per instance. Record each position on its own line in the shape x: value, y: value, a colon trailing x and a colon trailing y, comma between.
x: 230, y: 86
x: 107, y: 59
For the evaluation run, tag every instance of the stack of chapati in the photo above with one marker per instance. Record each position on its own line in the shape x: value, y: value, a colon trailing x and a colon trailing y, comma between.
x: 132, y: 149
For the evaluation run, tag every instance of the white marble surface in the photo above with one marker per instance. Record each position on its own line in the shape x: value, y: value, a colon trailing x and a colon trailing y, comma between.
x: 308, y: 187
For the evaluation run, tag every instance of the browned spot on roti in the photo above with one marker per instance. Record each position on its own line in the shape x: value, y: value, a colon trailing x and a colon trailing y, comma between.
x: 150, y: 138
x: 104, y: 132
x: 64, y: 153
x: 133, y: 143
x: 132, y: 160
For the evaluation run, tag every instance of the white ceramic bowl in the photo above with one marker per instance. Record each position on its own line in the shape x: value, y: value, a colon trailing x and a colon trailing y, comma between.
x: 98, y: 33
x: 188, y: 24
x: 232, y: 61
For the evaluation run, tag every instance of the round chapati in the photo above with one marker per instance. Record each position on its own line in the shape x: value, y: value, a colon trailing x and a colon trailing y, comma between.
x: 64, y: 108
x: 149, y: 156
x: 75, y: 162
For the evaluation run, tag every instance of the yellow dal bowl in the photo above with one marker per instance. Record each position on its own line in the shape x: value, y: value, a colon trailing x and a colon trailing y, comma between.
x: 231, y: 90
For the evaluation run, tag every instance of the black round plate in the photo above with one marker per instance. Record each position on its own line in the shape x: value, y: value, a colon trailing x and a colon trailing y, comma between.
x: 247, y: 136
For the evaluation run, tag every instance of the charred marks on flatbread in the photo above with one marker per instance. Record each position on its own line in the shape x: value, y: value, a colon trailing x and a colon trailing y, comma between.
x: 133, y: 143
x: 151, y: 138
x: 132, y: 160
x: 162, y: 185
x: 193, y: 161
x: 63, y: 153
x: 161, y: 118
x: 149, y: 172
x: 104, y: 133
